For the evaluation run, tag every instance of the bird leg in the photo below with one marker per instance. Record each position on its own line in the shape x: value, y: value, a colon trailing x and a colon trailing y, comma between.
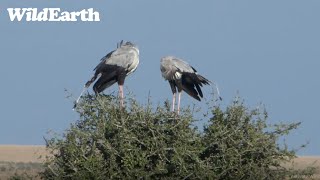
x: 173, y: 101
x: 174, y: 92
x: 121, y: 95
x: 179, y: 97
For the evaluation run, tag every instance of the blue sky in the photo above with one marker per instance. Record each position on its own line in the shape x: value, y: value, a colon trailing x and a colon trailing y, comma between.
x: 268, y: 51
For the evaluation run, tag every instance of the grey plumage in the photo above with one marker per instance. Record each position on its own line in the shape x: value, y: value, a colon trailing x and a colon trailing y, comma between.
x: 114, y: 67
x: 182, y: 77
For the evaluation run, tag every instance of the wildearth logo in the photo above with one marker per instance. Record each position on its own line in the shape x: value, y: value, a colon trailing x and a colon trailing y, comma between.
x: 52, y: 14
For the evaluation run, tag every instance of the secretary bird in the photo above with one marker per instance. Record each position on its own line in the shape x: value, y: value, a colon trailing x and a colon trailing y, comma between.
x: 115, y: 67
x: 183, y: 77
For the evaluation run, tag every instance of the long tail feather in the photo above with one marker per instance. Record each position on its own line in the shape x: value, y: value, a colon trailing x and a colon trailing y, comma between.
x: 77, y: 101
x: 217, y: 89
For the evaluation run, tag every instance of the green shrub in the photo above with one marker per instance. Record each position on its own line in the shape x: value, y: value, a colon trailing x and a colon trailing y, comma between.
x: 140, y: 142
x: 23, y: 176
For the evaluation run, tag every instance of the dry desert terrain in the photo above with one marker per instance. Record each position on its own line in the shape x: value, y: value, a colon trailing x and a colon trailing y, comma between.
x: 20, y: 158
x: 21, y: 153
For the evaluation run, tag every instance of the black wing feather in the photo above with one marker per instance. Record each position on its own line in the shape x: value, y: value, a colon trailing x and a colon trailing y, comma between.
x: 109, y: 75
x: 106, y: 80
x: 103, y: 61
x: 192, y: 83
x: 199, y: 90
x: 189, y: 89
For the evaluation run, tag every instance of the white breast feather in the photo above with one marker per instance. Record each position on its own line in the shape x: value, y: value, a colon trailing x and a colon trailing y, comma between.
x: 177, y: 75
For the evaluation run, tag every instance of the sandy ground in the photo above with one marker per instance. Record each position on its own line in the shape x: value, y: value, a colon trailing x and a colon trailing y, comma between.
x: 32, y: 153
x: 303, y: 161
x: 21, y: 153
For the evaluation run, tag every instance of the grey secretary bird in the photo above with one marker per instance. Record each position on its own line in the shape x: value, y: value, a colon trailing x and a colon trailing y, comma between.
x: 183, y: 77
x: 115, y: 67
